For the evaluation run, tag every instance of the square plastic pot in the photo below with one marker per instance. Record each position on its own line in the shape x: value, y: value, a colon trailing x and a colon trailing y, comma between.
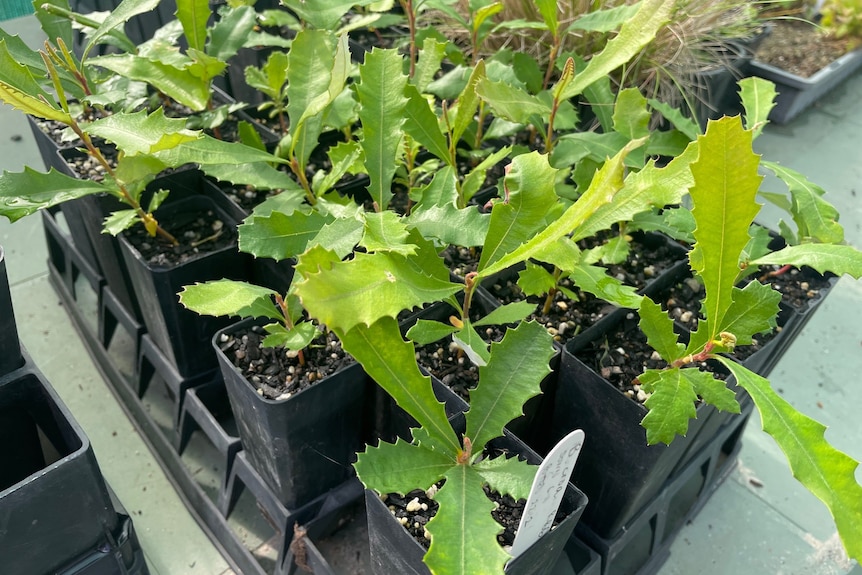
x: 304, y: 445
x: 10, y: 347
x: 182, y: 335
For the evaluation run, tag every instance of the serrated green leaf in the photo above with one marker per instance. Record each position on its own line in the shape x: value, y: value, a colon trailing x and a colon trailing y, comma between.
x: 572, y: 148
x: 822, y: 469
x: 713, y: 390
x: 595, y: 280
x: 816, y: 219
x: 822, y: 257
x: 515, y: 368
x: 535, y: 280
x: 382, y: 103
x: 726, y: 183
x: 508, y: 475
x: 564, y: 254
x: 193, y: 15
x: 139, y: 132
x: 507, y: 313
x: 426, y: 331
x: 754, y: 310
x: 372, y: 286
x: 385, y: 231
x: 474, y: 180
x: 23, y: 102
x: 120, y: 221
x: 428, y: 63
x: 758, y: 98
x: 423, y: 125
x: 158, y: 198
x: 635, y: 33
x: 462, y: 526
x: 280, y: 236
x: 678, y: 223
x: 309, y: 72
x: 230, y: 32
x: 230, y: 298
x: 615, y: 250
x: 631, y: 118
x: 118, y: 16
x: 401, y: 467
x: 530, y: 185
x: 302, y: 334
x: 468, y: 102
x: 437, y: 215
x: 391, y: 362
x: 323, y: 14
x: 687, y: 126
x: 657, y: 326
x: 671, y: 403
x: 512, y: 103
x: 23, y: 193
x: 206, y: 150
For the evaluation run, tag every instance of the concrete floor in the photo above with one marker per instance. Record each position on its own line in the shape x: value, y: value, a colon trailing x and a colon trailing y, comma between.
x: 761, y: 521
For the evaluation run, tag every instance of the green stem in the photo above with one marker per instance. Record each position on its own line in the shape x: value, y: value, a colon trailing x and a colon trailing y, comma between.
x: 299, y: 172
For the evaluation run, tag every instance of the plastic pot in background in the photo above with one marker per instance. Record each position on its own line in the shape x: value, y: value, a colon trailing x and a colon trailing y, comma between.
x: 10, y: 347
x: 394, y: 550
x: 303, y: 445
x: 182, y: 335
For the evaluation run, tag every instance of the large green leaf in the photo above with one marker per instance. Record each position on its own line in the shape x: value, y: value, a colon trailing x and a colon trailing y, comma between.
x: 385, y: 231
x: 671, y: 403
x: 822, y: 257
x: 635, y: 33
x: 606, y: 183
x: 193, y: 15
x: 816, y: 219
x: 372, y: 286
x: 754, y: 310
x: 428, y: 63
x: 758, y: 98
x: 258, y: 175
x: 463, y: 533
x: 437, y: 215
x: 657, y: 326
x: 401, y: 467
x: 595, y: 280
x: 230, y: 298
x: 230, y: 33
x: 515, y: 369
x: 511, y: 103
x: 548, y: 10
x: 281, y: 236
x: 423, y: 125
x: 530, y: 190
x: 206, y: 150
x: 309, y: 72
x: 139, y: 133
x: 726, y: 183
x: 19, y: 89
x: 391, y: 362
x: 382, y: 103
x: 822, y: 469
x: 23, y: 193
x: 119, y: 15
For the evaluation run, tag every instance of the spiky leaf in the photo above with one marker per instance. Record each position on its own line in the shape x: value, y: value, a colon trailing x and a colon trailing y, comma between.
x: 511, y: 103
x: 595, y: 280
x: 758, y: 98
x: 309, y: 69
x: 631, y: 118
x: 282, y: 236
x: 230, y: 32
x: 658, y: 328
x: 23, y: 193
x: 671, y: 404
x: 430, y: 57
x: 206, y: 150
x: 423, y: 125
x: 822, y: 469
x: 401, y: 467
x: 120, y: 221
x: 385, y: 231
x: 302, y: 334
x: 382, y: 103
x: 139, y: 132
x: 437, y: 215
x: 508, y: 475
x: 230, y: 298
x: 515, y: 368
x: 754, y: 310
x: 816, y: 219
x: 118, y: 16
x: 822, y: 257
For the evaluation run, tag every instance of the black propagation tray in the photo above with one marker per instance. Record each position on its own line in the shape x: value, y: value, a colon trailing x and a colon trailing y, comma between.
x: 168, y: 415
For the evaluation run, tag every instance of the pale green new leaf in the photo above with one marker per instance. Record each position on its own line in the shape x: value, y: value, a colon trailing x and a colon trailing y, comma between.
x: 754, y: 310
x: 385, y: 231
x: 564, y: 254
x: 372, y: 286
x: 535, y: 280
x: 119, y: 15
x: 423, y: 125
x: 401, y: 467
x: 309, y: 69
x: 391, y: 362
x: 23, y: 193
x: 461, y: 227
x: 671, y: 403
x: 271, y: 77
x: 176, y: 82
x: 302, y: 334
x: 193, y: 15
x: 657, y: 326
x: 615, y: 250
x: 507, y: 313
x: 548, y: 10
x: 530, y: 185
x: 816, y: 219
x: 29, y: 105
x: 230, y: 32
x: 230, y: 298
x: 822, y: 469
x: 15, y: 75
x: 822, y: 257
x: 507, y: 475
x: 382, y: 103
x: 726, y: 183
x: 428, y: 63
x: 635, y: 33
x: 472, y: 344
x: 468, y: 102
x: 606, y: 183
x: 120, y: 221
x: 713, y: 391
x: 513, y: 104
x: 426, y: 331
x: 758, y: 98
x: 139, y: 132
x: 631, y: 118
x: 605, y: 20
x: 595, y: 280
x: 515, y: 368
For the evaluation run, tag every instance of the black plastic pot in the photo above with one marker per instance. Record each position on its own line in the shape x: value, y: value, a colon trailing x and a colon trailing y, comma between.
x: 182, y: 335
x: 394, y: 550
x: 304, y: 445
x: 54, y: 502
x: 10, y: 347
x: 715, y: 87
x: 617, y: 470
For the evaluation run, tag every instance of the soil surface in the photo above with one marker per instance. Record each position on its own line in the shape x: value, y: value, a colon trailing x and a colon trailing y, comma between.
x: 197, y: 233
x: 277, y: 373
x: 799, y: 48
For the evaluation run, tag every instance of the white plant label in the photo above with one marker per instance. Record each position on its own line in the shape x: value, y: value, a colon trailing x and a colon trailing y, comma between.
x: 547, y: 492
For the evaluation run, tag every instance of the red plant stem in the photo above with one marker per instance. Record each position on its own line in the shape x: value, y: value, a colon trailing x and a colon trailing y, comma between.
x: 288, y: 323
